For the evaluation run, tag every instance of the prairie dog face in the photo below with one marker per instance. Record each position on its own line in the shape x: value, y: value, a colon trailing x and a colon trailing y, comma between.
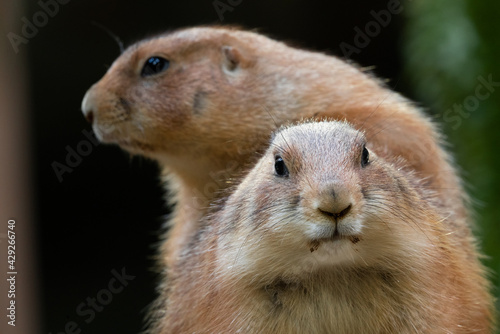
x: 319, y: 199
x: 175, y: 93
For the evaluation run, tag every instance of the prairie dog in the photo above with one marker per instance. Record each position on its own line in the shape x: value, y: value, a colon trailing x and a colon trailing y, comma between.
x: 325, y: 236
x: 200, y: 100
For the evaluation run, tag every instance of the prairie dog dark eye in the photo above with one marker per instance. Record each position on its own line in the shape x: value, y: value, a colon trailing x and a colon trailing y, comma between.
x: 154, y: 65
x: 365, y: 157
x: 280, y: 167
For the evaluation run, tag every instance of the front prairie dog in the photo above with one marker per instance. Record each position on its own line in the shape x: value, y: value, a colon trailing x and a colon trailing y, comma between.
x: 203, y: 102
x: 325, y: 236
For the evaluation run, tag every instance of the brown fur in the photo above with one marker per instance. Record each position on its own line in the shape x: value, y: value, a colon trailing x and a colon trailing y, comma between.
x: 207, y: 118
x: 250, y: 269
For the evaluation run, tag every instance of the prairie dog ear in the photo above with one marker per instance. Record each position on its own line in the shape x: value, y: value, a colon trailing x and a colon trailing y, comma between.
x: 233, y: 58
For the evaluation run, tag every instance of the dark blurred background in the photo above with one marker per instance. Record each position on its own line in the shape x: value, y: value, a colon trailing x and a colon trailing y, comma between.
x: 103, y: 217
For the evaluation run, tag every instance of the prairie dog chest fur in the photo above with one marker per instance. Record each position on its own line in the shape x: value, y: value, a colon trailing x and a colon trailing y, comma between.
x: 324, y: 236
x: 359, y: 302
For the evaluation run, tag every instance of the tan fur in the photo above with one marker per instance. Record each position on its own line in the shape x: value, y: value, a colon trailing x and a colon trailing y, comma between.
x: 208, y: 117
x: 250, y: 268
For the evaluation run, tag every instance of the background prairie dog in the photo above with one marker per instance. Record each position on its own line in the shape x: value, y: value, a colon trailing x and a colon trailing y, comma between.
x: 325, y: 236
x: 200, y: 100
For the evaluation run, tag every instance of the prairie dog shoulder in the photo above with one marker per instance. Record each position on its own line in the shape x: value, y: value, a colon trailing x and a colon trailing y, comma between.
x: 320, y: 234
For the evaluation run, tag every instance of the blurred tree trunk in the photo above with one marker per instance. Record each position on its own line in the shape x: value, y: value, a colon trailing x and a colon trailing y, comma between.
x: 15, y: 178
x: 453, y: 59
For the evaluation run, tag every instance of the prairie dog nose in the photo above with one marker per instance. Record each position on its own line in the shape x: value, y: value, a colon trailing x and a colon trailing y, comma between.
x: 335, y: 201
x: 88, y: 105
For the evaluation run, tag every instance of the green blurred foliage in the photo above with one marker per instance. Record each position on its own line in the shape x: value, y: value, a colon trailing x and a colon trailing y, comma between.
x: 451, y: 48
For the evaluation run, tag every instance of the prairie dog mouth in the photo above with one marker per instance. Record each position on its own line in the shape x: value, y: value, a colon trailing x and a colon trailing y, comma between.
x: 336, y: 237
